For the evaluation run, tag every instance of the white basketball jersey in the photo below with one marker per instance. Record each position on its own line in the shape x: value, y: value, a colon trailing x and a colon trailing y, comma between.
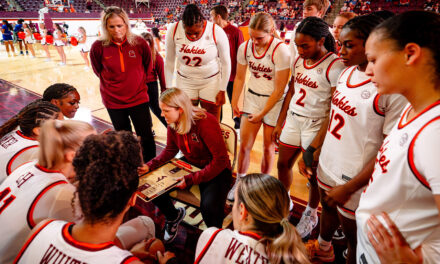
x: 359, y: 117
x: 218, y: 246
x: 197, y: 59
x: 263, y: 67
x: 313, y: 85
x: 16, y: 149
x: 402, y: 189
x: 19, y: 194
x: 53, y: 244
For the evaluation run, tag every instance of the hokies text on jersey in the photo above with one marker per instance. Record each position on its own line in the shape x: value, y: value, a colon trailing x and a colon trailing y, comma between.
x: 305, y: 80
x: 343, y: 105
x: 191, y: 50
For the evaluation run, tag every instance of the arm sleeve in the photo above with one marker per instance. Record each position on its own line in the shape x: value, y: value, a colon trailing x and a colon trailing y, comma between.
x: 392, y: 105
x: 426, y: 153
x: 335, y: 70
x: 96, y: 58
x: 170, y: 55
x: 240, y: 54
x: 160, y: 71
x: 224, y: 55
x: 211, y: 135
x: 203, y: 240
x: 167, y: 154
x: 281, y: 57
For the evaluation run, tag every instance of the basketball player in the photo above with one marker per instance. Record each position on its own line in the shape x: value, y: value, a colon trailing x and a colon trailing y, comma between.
x: 18, y: 143
x: 105, y: 195
x: 268, y: 60
x: 65, y: 96
x: 219, y: 15
x: 40, y: 189
x: 7, y: 37
x: 338, y: 23
x: 29, y: 40
x: 44, y: 44
x: 83, y: 46
x: 262, y: 233
x: 403, y: 55
x: 201, y: 50
x: 306, y: 106
x: 59, y: 43
x: 360, y: 120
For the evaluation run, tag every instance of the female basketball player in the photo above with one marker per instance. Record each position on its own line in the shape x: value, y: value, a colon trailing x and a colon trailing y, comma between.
x: 7, y: 37
x: 83, y: 47
x: 262, y: 233
x: 203, y: 62
x: 44, y: 44
x: 18, y: 143
x: 29, y: 40
x: 360, y: 120
x: 59, y: 43
x: 157, y: 72
x: 65, y: 96
x: 306, y: 106
x: 105, y: 193
x: 40, y: 189
x: 338, y: 23
x: 198, y: 136
x: 405, y: 183
x: 267, y: 57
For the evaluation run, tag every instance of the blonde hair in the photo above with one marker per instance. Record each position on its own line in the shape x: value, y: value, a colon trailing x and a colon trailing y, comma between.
x: 83, y: 30
x: 264, y: 22
x: 178, y: 99
x: 267, y: 201
x: 321, y: 5
x: 56, y: 136
x: 109, y: 12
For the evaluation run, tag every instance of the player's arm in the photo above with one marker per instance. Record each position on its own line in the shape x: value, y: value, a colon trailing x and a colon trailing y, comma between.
x: 170, y: 56
x: 96, y: 58
x: 239, y: 78
x: 225, y: 57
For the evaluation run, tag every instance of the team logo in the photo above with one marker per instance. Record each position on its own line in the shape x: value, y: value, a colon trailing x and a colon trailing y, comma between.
x: 131, y: 54
x: 319, y: 70
x: 194, y: 137
x: 365, y: 94
x: 403, y: 139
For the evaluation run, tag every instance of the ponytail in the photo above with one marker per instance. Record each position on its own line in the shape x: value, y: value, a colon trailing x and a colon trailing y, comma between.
x: 329, y: 43
x: 317, y: 29
x: 57, y: 136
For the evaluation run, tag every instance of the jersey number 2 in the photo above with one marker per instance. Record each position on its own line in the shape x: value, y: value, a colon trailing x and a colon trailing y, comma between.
x: 193, y: 62
x: 339, y: 125
x: 300, y: 100
x: 7, y: 201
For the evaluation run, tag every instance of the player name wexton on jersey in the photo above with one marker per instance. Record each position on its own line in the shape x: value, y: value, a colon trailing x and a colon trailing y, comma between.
x: 191, y: 50
x: 55, y: 256
x: 243, y: 253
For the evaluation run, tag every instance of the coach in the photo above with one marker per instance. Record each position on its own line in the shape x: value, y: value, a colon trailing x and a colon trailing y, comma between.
x: 121, y: 60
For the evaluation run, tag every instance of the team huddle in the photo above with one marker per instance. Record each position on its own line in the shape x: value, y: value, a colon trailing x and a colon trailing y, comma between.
x: 361, y: 106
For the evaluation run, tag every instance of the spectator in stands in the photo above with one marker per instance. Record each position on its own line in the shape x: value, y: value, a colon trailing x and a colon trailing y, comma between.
x: 219, y: 15
x: 344, y: 8
x: 121, y: 60
x: 88, y: 6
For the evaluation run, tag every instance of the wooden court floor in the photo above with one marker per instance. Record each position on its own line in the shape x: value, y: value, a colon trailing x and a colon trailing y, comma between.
x: 36, y: 74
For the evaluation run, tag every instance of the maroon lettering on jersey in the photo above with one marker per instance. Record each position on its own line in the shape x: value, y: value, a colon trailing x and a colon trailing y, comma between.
x: 305, y: 80
x: 55, y: 256
x: 8, y: 141
x: 191, y: 50
x: 382, y: 160
x: 259, y: 67
x: 233, y: 246
x: 23, y: 178
x: 343, y: 104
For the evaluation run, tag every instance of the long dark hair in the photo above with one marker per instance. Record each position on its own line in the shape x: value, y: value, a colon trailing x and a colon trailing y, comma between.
x: 317, y: 29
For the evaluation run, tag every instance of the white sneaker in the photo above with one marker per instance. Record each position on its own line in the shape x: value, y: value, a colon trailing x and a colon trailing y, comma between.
x: 61, y: 64
x: 291, y: 204
x: 232, y: 191
x: 307, y: 223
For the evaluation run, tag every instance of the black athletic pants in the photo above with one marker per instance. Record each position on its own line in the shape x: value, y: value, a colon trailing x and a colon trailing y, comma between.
x: 141, y: 119
x: 153, y: 94
x: 212, y: 200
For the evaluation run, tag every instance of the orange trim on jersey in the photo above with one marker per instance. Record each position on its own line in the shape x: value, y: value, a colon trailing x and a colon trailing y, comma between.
x: 264, y: 53
x: 273, y: 52
x: 9, y: 165
x: 121, y: 55
x: 288, y: 145
x: 175, y: 29
x: 129, y: 259
x: 329, y: 67
x: 83, y: 245
x: 26, y: 137
x: 401, y: 125
x: 325, y: 185
x: 376, y: 106
x: 411, y: 162
x: 264, y: 124
x: 213, y: 33
x: 347, y: 210
x: 206, y: 101
x: 29, y: 217
x: 251, y: 234
x: 317, y: 63
x: 45, y: 169
x: 205, y: 249
x: 355, y: 85
x: 29, y: 241
x: 343, y: 72
x: 201, y: 35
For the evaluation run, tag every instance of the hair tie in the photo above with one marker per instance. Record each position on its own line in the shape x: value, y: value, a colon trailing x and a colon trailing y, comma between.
x: 284, y: 221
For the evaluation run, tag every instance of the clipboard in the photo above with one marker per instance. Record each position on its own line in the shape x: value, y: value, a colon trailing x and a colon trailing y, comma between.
x: 157, y: 182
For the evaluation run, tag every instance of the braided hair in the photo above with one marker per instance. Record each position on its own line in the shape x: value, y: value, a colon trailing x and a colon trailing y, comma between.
x: 363, y: 25
x: 317, y: 29
x: 192, y: 15
x: 106, y: 171
x: 30, y: 117
x: 57, y: 91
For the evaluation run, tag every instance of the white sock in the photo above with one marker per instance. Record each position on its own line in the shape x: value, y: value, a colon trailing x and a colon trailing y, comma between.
x: 324, y: 245
x: 241, y: 175
x: 135, y: 230
x: 291, y: 202
x: 313, y: 211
